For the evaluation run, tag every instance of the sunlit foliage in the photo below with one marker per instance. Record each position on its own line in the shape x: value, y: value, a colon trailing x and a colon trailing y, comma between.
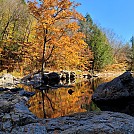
x: 15, y: 25
x: 57, y: 34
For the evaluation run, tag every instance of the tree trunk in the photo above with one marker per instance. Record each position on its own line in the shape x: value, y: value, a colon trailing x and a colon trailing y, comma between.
x: 44, y: 50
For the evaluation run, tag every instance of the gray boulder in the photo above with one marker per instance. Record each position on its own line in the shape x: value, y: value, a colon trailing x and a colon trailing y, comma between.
x: 15, y: 117
x: 116, y: 95
x: 120, y: 87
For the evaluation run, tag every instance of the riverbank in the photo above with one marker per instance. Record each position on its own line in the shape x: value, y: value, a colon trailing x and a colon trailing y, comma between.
x: 15, y: 118
x: 109, y: 73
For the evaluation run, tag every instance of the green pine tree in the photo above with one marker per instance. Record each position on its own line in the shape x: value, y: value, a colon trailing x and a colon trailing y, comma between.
x: 97, y: 42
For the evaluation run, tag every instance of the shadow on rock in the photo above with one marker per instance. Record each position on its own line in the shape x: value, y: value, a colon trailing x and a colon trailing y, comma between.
x: 116, y: 95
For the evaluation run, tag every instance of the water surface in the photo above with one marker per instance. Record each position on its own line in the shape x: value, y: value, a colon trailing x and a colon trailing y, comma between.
x: 58, y: 102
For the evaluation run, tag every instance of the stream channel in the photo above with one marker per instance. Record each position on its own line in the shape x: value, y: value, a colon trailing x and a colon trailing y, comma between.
x: 60, y: 102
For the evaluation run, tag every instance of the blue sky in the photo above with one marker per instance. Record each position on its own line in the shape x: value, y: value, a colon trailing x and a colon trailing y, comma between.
x: 116, y: 15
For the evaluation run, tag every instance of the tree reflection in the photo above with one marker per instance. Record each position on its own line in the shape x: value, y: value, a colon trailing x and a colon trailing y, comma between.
x: 43, y: 104
x: 58, y: 102
x: 44, y: 94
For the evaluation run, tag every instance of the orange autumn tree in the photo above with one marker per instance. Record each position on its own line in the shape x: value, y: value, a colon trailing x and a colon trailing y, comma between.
x: 57, y: 30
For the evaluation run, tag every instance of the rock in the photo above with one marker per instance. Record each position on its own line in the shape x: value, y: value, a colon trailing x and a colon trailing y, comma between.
x: 34, y: 128
x: 119, y: 87
x: 19, y: 120
x: 116, y: 95
x: 53, y: 78
x: 92, y: 123
x: 8, y: 78
x: 88, y: 76
x: 62, y: 75
x: 37, y: 81
x: 72, y: 75
x: 8, y: 81
x: 16, y: 89
x: 67, y: 75
x: 70, y: 91
x: 15, y: 116
x: 3, y: 89
x: 27, y: 94
x: 5, y: 106
x: 45, y: 79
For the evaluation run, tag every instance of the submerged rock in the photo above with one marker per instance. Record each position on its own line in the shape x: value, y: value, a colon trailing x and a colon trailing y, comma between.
x: 70, y: 91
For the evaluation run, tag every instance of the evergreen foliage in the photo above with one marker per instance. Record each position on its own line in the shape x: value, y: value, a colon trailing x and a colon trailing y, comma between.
x: 131, y: 56
x: 97, y: 42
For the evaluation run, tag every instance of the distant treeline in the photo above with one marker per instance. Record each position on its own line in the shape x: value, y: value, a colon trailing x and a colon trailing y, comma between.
x: 52, y: 34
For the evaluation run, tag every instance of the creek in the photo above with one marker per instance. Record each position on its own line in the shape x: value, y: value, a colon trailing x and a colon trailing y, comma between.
x: 60, y: 102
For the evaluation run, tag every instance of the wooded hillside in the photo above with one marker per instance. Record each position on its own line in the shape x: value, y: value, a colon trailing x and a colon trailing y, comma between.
x: 52, y: 34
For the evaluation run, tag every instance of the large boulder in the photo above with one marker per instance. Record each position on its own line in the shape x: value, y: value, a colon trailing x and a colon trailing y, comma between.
x: 53, y: 78
x: 116, y: 95
x: 40, y: 81
x: 39, y: 78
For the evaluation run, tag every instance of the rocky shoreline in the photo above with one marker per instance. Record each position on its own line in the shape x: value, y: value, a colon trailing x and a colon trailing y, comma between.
x: 15, y: 118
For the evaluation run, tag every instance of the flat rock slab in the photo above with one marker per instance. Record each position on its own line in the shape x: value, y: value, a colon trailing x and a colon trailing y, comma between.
x: 92, y: 123
x: 33, y: 128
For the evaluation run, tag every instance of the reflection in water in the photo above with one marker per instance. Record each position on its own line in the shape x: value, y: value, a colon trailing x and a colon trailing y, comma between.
x: 59, y: 102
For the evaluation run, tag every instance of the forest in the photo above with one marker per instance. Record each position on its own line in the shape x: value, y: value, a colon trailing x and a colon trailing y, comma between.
x: 52, y: 35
